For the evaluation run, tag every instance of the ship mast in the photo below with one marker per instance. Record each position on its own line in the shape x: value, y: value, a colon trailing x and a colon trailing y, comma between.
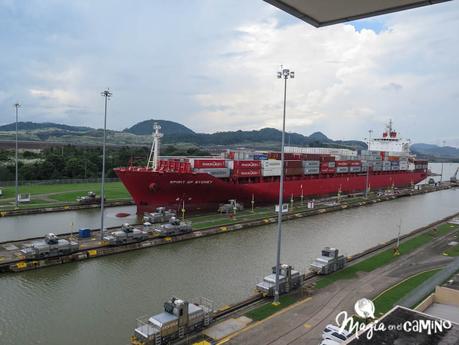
x: 154, y: 152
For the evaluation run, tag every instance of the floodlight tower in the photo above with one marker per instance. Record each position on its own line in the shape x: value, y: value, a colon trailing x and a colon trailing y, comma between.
x: 283, y: 74
x: 106, y: 94
x: 17, y: 106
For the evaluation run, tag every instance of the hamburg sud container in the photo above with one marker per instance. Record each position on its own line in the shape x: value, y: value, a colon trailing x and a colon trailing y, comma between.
x: 247, y: 172
x: 244, y: 164
x: 340, y: 164
x: 207, y: 163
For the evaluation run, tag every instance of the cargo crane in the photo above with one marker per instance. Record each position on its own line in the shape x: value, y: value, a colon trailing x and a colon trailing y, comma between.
x: 453, y: 178
x: 179, y: 319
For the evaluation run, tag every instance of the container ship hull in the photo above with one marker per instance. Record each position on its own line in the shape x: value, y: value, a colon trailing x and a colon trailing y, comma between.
x: 201, y: 191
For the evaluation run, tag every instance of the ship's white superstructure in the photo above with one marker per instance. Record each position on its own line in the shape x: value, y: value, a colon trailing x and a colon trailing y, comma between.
x: 389, y: 142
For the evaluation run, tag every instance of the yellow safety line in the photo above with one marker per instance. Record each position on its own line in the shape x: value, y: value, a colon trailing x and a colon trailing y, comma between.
x: 249, y: 327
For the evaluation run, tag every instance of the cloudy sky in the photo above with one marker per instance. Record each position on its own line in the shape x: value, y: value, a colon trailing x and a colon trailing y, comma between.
x: 211, y: 65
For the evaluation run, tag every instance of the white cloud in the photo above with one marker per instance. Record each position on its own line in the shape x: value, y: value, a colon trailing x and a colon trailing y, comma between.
x: 346, y: 82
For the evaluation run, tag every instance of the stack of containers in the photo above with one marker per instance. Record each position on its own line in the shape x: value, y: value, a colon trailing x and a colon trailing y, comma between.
x: 214, y: 167
x: 386, y: 165
x: 403, y: 163
x: 327, y: 165
x: 246, y: 168
x: 311, y: 167
x: 270, y: 167
x: 355, y: 166
x: 174, y: 166
x: 293, y: 167
x: 342, y: 167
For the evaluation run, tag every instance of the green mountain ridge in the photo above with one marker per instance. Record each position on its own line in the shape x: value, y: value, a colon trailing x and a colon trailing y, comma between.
x: 176, y: 133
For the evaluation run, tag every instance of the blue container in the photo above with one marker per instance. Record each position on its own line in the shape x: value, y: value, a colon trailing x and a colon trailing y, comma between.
x: 84, y: 233
x: 260, y: 157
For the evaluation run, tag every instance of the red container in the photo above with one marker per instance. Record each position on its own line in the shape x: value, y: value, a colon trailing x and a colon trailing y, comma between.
x: 293, y: 171
x: 293, y: 164
x: 327, y: 158
x: 208, y: 163
x: 247, y: 172
x: 342, y: 163
x: 327, y: 170
x: 274, y: 155
x: 355, y: 163
x: 247, y: 164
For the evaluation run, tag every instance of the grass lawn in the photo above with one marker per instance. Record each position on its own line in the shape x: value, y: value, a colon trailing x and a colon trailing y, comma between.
x: 67, y: 192
x: 385, y: 301
x: 384, y: 257
x: 268, y: 309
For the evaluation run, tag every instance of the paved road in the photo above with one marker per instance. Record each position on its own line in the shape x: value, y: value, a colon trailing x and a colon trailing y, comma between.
x: 303, y: 323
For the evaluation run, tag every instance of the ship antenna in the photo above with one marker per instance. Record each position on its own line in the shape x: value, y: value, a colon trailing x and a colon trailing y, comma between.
x: 154, y: 152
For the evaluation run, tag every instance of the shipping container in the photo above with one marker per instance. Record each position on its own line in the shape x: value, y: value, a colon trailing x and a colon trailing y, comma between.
x: 311, y: 163
x: 271, y: 163
x: 246, y: 172
x: 293, y: 171
x: 355, y: 163
x: 207, y: 163
x: 244, y: 164
x: 271, y: 172
x: 327, y: 170
x: 395, y: 168
x: 342, y: 164
x: 355, y: 169
x: 216, y: 172
x: 293, y: 164
x: 341, y: 169
x: 260, y: 156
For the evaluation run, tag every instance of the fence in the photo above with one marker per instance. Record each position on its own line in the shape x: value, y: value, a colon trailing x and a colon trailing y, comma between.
x: 63, y: 181
x: 418, y: 294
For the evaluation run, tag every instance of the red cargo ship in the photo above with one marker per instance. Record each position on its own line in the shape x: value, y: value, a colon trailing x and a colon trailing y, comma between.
x: 203, y: 183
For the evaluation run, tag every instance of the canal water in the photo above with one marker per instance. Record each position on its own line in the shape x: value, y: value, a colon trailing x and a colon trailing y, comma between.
x: 98, y: 301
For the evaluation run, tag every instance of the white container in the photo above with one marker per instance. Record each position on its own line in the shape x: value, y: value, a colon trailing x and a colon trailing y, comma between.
x: 217, y: 172
x: 270, y: 163
x: 271, y: 172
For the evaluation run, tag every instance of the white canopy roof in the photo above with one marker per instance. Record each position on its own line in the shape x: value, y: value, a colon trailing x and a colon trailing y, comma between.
x: 328, y: 12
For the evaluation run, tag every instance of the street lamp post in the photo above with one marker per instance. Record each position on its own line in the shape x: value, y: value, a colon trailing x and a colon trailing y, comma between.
x: 106, y: 94
x: 368, y: 167
x: 441, y: 177
x: 17, y: 105
x: 285, y: 74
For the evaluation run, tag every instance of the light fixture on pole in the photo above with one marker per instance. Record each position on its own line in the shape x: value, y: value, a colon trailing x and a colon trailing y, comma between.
x: 106, y: 94
x: 283, y: 74
x: 17, y: 105
x: 441, y: 176
x: 368, y: 166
